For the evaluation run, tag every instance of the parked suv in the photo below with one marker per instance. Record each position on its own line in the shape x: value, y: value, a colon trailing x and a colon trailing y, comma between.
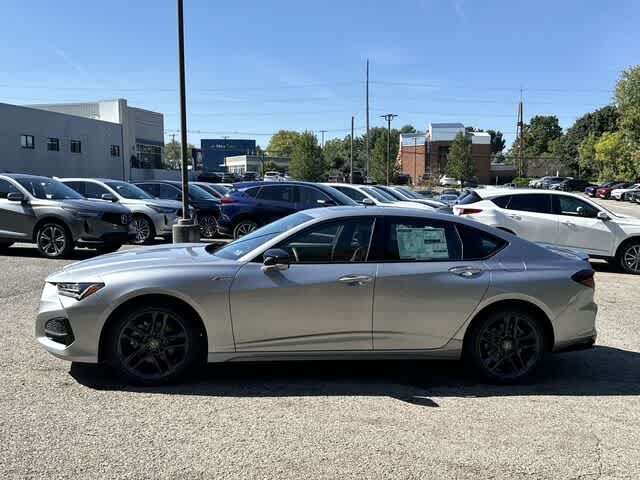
x: 206, y: 206
x: 559, y: 218
x: 57, y: 218
x: 151, y: 217
x: 250, y: 205
x: 572, y: 185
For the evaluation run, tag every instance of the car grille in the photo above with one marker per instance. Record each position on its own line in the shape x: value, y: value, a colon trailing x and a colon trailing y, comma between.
x: 59, y: 330
x: 117, y: 218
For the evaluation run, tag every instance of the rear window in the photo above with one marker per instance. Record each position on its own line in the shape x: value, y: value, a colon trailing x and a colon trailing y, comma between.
x: 470, y: 197
x: 478, y: 245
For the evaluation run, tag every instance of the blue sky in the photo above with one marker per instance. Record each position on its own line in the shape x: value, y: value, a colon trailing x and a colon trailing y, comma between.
x: 254, y: 67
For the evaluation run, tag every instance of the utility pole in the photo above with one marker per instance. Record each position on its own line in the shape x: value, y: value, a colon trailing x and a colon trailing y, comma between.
x: 367, y: 119
x: 186, y: 230
x: 388, y: 117
x: 520, y: 137
x: 415, y: 158
x: 351, y: 154
x: 322, y: 132
x: 173, y: 137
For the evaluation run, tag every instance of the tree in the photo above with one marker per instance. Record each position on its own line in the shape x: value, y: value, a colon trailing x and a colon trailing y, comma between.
x: 587, y: 156
x: 282, y: 143
x: 306, y: 158
x: 616, y: 163
x: 173, y: 153
x: 459, y: 160
x: 408, y: 129
x: 379, y: 155
x: 336, y: 153
x: 539, y: 133
x: 270, y: 166
x: 627, y: 98
x: 497, y: 141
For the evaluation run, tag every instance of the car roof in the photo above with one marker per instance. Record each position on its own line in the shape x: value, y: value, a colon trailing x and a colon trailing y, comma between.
x: 17, y: 176
x: 239, y: 185
x: 498, y: 192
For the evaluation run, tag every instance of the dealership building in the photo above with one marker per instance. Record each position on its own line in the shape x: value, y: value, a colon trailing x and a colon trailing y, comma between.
x: 96, y: 139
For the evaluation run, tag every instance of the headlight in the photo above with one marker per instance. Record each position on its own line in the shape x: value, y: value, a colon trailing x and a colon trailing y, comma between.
x: 78, y: 291
x: 82, y: 213
x: 163, y: 209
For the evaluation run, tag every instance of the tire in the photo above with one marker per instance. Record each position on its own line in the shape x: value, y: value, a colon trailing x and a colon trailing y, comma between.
x: 54, y: 240
x: 493, y: 352
x: 208, y: 226
x: 5, y: 245
x: 113, y: 247
x: 143, y: 229
x: 629, y: 256
x: 153, y: 344
x: 244, y: 227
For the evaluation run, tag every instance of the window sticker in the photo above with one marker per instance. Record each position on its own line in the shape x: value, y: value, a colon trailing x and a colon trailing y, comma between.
x: 423, y: 243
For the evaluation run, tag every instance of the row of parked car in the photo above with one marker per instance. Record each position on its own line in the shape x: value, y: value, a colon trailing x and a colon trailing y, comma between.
x: 615, y: 191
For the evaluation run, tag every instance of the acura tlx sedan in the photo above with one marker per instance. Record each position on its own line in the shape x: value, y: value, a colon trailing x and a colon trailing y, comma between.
x: 327, y: 283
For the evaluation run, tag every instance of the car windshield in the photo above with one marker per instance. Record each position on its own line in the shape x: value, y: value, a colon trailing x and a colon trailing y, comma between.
x: 48, y: 189
x: 126, y: 190
x: 378, y: 195
x: 242, y: 246
x: 198, y: 193
x: 410, y: 193
x: 393, y: 194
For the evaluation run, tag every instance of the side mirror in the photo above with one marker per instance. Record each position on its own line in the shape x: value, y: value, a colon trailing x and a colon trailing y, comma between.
x: 367, y: 202
x: 325, y: 203
x: 275, y: 259
x: 603, y: 216
x: 109, y: 197
x: 15, y: 197
x: 580, y: 211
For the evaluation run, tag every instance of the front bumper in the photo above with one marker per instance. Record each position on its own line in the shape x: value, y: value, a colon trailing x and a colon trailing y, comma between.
x: 163, y: 224
x: 101, y: 231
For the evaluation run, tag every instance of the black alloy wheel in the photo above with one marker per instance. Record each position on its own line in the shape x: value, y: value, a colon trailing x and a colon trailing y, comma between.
x: 54, y: 240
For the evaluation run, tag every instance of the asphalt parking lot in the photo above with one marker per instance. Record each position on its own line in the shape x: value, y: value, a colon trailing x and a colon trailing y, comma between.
x: 579, y: 418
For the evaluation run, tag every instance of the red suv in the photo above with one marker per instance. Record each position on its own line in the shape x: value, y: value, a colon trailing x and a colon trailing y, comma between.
x: 605, y: 192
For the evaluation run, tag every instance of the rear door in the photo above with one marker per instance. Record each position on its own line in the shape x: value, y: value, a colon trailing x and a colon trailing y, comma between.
x: 530, y: 217
x: 580, y: 227
x: 426, y: 286
x: 150, y: 188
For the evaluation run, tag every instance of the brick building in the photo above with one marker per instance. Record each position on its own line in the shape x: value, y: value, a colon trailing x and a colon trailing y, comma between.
x: 426, y: 152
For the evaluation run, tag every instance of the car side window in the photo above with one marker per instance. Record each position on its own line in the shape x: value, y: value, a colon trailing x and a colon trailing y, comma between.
x: 478, y: 245
x: 352, y: 193
x: 309, y: 196
x: 150, y: 188
x: 341, y: 241
x: 93, y: 190
x: 502, y: 202
x: 252, y: 192
x: 407, y: 239
x: 530, y: 202
x: 77, y: 186
x: 571, y: 206
x: 6, y: 187
x: 276, y: 193
x: 168, y: 192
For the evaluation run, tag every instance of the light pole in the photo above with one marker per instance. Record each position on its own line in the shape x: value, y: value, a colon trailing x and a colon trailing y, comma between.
x: 186, y: 230
x: 388, y: 117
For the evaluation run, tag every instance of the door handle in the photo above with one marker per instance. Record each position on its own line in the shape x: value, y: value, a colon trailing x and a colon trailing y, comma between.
x: 568, y: 224
x: 515, y: 217
x: 355, y: 280
x: 465, y: 271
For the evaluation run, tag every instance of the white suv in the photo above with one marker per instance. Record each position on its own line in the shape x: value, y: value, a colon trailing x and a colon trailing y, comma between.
x: 619, y: 193
x: 559, y: 218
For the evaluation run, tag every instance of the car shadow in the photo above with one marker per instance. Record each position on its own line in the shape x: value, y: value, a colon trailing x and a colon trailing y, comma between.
x: 29, y: 251
x: 597, y: 372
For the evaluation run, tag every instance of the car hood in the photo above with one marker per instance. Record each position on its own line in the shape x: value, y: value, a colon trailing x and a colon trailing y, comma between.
x: 83, y: 204
x: 174, y: 256
x: 155, y: 202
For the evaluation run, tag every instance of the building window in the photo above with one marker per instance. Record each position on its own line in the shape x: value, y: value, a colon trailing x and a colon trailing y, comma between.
x: 76, y: 146
x: 53, y: 144
x: 115, y: 150
x: 27, y: 141
x: 148, y: 156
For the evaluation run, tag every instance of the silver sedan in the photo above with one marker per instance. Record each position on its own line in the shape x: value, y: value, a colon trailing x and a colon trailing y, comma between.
x: 339, y: 282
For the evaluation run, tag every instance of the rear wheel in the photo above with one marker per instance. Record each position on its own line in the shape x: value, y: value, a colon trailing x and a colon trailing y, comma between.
x: 629, y: 257
x: 208, y: 226
x: 153, y: 344
x: 54, y: 240
x: 243, y: 227
x: 143, y: 230
x: 506, y: 345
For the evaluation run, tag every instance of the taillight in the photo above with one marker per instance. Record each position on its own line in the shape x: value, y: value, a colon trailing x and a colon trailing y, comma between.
x: 585, y: 277
x: 468, y: 211
x: 226, y: 199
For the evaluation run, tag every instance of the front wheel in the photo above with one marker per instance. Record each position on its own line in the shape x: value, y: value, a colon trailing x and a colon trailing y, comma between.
x: 153, y: 344
x: 243, y: 227
x: 506, y: 346
x: 208, y: 226
x: 629, y: 257
x: 143, y: 230
x: 54, y: 241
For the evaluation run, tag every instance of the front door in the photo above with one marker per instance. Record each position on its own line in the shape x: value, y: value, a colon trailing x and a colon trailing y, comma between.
x: 322, y: 302
x: 580, y: 227
x: 427, y: 284
x: 274, y: 202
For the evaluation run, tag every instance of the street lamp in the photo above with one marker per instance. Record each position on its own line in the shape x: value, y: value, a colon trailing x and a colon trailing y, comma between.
x: 388, y: 117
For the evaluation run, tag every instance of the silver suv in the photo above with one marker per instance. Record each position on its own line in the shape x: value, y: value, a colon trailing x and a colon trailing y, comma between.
x: 56, y: 218
x: 151, y: 217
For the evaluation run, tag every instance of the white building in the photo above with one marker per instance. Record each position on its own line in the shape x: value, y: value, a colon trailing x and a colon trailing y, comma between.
x: 253, y: 163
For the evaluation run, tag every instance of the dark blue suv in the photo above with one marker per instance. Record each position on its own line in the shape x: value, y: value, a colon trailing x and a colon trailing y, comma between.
x: 250, y: 205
